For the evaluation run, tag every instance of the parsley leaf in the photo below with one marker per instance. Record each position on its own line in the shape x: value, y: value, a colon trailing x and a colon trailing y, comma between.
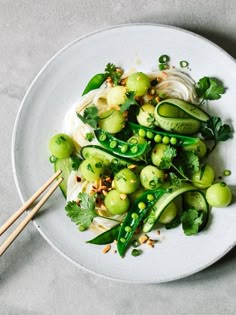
x: 90, y: 116
x: 209, y: 88
x: 130, y: 100
x: 191, y: 221
x: 84, y: 213
x: 111, y: 71
x: 215, y: 130
x: 189, y: 162
x: 166, y: 160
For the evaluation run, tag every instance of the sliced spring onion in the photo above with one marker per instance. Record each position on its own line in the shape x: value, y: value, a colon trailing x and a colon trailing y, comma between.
x: 183, y: 64
x: 164, y: 59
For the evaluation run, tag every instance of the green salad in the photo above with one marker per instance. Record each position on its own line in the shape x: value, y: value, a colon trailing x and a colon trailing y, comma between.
x: 134, y: 155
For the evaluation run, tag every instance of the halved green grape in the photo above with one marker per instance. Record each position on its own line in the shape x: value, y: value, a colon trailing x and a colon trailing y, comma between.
x: 219, y: 195
x: 139, y: 83
x: 158, y: 153
x: 116, y: 96
x: 151, y: 177
x: 116, y: 202
x: 112, y: 121
x: 126, y: 181
x: 169, y: 213
x: 199, y: 148
x: 204, y: 177
x: 92, y: 169
x: 61, y: 146
x: 145, y: 116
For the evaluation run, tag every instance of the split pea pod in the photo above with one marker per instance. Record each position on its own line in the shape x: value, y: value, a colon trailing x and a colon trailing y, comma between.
x: 120, y: 147
x: 135, y: 215
x: 162, y: 136
x: 106, y: 237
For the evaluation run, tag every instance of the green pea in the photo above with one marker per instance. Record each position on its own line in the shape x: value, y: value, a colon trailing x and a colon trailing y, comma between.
x: 128, y: 229
x: 123, y: 240
x: 113, y: 144
x: 158, y: 138
x: 149, y: 135
x: 134, y: 149
x: 150, y: 197
x: 165, y: 140
x: 134, y: 216
x: 141, y: 205
x: 124, y: 148
x: 102, y: 137
x: 173, y: 140
x: 142, y: 133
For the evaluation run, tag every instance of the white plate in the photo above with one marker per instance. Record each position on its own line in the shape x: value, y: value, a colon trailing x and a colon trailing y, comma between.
x: 59, y: 85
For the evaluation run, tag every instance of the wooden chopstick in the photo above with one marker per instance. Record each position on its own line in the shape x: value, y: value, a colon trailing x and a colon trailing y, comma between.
x: 28, y: 203
x: 32, y: 213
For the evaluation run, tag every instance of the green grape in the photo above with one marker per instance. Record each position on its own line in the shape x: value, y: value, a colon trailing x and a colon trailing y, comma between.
x: 112, y: 121
x: 151, y: 177
x: 198, y: 148
x: 126, y: 181
x: 116, y: 96
x: 145, y: 116
x: 204, y: 177
x: 92, y: 169
x: 139, y: 83
x: 158, y: 153
x: 219, y: 195
x: 169, y: 213
x: 116, y: 202
x: 61, y: 146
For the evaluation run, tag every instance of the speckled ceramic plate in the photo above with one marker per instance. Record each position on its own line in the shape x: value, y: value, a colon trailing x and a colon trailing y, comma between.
x: 59, y: 85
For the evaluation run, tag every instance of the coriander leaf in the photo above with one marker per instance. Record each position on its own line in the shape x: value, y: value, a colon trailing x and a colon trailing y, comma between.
x: 75, y: 162
x: 130, y: 100
x: 84, y: 213
x: 189, y: 162
x: 166, y: 160
x: 209, y: 88
x: 214, y: 129
x: 89, y: 136
x: 111, y: 71
x: 175, y: 180
x: 191, y: 221
x: 90, y: 116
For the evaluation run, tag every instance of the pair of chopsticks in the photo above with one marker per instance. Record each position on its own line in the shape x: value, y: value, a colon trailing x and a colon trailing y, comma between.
x: 31, y: 214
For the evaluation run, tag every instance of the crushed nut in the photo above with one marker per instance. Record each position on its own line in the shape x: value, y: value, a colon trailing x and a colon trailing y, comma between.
x: 123, y: 82
x: 123, y: 196
x: 132, y: 166
x: 158, y: 232
x: 150, y: 243
x: 143, y: 239
x: 106, y: 249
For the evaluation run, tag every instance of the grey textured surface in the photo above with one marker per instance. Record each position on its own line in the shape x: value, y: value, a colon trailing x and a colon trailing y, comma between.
x: 34, y: 279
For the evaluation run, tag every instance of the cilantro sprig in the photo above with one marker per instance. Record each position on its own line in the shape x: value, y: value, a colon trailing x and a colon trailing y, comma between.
x: 111, y: 71
x: 191, y: 220
x: 215, y: 130
x: 129, y: 101
x: 90, y: 116
x: 209, y: 89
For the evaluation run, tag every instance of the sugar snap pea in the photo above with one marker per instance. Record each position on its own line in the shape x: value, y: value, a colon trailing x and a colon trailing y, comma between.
x: 106, y: 237
x: 95, y: 82
x: 119, y: 147
x: 135, y: 215
x: 162, y: 136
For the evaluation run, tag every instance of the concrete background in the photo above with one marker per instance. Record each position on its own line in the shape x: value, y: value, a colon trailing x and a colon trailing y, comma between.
x: 34, y: 279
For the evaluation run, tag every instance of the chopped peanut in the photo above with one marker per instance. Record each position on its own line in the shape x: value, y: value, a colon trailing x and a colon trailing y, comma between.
x: 143, y: 239
x: 150, y: 243
x: 106, y: 249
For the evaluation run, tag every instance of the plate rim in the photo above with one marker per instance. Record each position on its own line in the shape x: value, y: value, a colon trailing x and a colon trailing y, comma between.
x: 13, y: 152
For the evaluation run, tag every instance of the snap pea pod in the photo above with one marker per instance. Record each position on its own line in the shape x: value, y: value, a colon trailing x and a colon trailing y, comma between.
x: 162, y: 136
x: 106, y: 237
x: 119, y: 147
x: 95, y: 82
x: 135, y: 215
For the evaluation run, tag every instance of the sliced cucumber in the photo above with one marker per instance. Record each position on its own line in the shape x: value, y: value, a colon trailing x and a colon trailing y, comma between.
x: 91, y: 151
x: 196, y: 199
x: 163, y: 202
x: 65, y: 166
x: 179, y: 116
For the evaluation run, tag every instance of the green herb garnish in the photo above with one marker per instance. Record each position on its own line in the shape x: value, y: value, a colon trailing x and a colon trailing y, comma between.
x: 191, y: 221
x: 209, y: 89
x: 90, y: 116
